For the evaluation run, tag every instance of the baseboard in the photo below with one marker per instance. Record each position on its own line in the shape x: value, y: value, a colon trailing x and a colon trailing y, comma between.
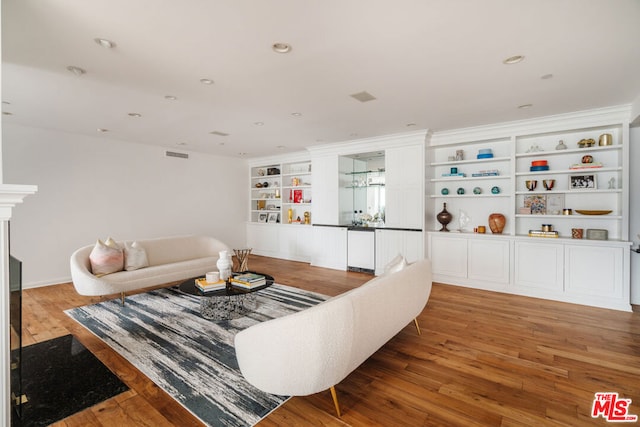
x: 43, y: 283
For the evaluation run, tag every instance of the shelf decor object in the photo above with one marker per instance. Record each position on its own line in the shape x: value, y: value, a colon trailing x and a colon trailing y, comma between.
x: 497, y: 222
x: 444, y: 218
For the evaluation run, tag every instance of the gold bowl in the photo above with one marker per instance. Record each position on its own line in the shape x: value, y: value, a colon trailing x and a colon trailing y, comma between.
x: 531, y: 184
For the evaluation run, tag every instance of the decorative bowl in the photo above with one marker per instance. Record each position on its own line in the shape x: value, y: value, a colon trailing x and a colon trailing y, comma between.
x: 593, y: 212
x: 531, y: 184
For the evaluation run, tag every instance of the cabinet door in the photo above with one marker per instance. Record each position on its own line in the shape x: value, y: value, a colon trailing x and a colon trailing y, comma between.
x: 448, y: 256
x: 361, y: 249
x: 389, y: 243
x: 263, y: 239
x: 539, y: 266
x: 329, y: 247
x: 325, y: 178
x: 404, y: 188
x: 594, y: 271
x: 489, y: 260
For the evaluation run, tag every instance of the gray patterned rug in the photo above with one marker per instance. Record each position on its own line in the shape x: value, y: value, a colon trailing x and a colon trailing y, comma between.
x: 193, y: 359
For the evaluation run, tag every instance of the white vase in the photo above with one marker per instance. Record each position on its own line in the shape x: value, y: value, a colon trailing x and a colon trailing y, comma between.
x: 224, y: 265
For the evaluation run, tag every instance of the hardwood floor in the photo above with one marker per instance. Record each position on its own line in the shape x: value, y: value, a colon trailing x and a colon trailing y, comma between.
x: 483, y: 359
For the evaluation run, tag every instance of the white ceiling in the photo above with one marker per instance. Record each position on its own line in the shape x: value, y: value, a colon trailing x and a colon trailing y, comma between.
x: 433, y: 64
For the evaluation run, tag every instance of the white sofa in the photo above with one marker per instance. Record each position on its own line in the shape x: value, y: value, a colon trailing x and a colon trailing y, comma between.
x: 170, y: 259
x: 313, y: 350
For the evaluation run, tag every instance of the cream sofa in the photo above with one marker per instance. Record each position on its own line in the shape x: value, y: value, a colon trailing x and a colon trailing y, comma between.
x: 313, y: 350
x: 170, y: 259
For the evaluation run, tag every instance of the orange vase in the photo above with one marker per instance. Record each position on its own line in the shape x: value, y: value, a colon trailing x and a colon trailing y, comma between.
x: 497, y: 222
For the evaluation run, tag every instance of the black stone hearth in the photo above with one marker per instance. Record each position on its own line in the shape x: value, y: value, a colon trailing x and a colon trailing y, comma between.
x: 60, y: 377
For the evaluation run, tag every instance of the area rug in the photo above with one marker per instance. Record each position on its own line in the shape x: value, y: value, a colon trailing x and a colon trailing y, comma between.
x: 54, y: 380
x: 193, y: 359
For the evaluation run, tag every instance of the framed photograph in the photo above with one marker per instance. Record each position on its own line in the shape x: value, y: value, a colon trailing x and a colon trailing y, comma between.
x: 262, y: 217
x: 582, y: 182
x: 273, y: 217
x: 537, y: 203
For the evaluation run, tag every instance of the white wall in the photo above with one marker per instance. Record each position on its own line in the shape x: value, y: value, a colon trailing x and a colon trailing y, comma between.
x: 95, y: 187
x: 634, y: 211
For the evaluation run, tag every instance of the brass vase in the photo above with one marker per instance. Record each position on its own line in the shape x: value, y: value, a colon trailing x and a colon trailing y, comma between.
x: 497, y: 222
x: 444, y: 218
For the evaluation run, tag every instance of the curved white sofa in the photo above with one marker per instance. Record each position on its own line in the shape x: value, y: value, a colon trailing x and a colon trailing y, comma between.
x: 170, y: 259
x: 313, y: 350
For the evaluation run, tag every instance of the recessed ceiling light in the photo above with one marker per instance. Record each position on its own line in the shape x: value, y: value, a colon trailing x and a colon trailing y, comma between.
x: 524, y: 106
x: 513, y: 59
x: 547, y: 77
x: 281, y: 47
x: 170, y: 97
x: 76, y: 70
x: 102, y: 130
x: 136, y: 115
x: 259, y: 123
x: 206, y: 81
x: 107, y: 44
x: 296, y: 114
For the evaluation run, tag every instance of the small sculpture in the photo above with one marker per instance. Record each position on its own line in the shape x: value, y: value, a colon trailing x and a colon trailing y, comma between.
x: 444, y: 218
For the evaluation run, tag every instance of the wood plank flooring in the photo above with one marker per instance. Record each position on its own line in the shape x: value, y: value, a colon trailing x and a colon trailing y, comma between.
x: 483, y: 359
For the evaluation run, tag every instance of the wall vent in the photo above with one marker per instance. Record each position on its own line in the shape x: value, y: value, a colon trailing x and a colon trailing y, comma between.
x: 175, y: 154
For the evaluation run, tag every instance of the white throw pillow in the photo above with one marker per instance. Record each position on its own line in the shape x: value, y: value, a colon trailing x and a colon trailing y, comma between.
x: 106, y: 257
x: 395, y: 265
x: 135, y: 256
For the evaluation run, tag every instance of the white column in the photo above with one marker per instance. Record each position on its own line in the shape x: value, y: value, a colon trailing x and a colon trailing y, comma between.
x: 10, y: 195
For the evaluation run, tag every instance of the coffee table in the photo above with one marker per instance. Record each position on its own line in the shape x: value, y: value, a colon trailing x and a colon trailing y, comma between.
x: 225, y: 304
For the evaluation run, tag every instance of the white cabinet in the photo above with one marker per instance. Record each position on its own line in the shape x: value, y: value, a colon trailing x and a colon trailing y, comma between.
x: 293, y: 242
x: 405, y: 186
x: 488, y: 261
x: 539, y: 266
x: 586, y: 282
x: 329, y: 247
x: 390, y: 243
x: 481, y: 261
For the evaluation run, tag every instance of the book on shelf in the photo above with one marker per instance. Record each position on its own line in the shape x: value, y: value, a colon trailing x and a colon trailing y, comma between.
x: 205, y: 286
x: 454, y: 174
x: 594, y: 165
x: 540, y: 233
x: 477, y: 174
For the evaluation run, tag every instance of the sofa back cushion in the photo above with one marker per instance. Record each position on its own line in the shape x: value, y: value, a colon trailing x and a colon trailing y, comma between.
x: 167, y: 250
x: 383, y: 306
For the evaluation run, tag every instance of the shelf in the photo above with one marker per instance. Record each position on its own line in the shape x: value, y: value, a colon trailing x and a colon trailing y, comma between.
x: 365, y: 186
x: 470, y: 161
x: 293, y: 187
x: 569, y: 191
x: 365, y: 172
x: 570, y: 151
x: 574, y: 216
x: 455, y: 196
x: 570, y: 171
x: 297, y: 204
x: 469, y: 178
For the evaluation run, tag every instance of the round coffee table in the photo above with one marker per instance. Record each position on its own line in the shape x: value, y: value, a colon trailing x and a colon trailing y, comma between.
x: 225, y: 304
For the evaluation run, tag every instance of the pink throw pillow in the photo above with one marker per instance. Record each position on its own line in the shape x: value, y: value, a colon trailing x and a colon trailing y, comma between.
x: 106, y: 257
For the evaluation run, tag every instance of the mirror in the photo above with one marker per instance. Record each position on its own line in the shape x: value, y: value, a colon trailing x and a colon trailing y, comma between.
x: 362, y: 179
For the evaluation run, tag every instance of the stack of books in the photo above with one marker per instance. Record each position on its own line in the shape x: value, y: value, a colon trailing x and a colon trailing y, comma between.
x: 540, y: 233
x: 593, y: 165
x: 454, y: 174
x: 248, y: 280
x: 205, y: 286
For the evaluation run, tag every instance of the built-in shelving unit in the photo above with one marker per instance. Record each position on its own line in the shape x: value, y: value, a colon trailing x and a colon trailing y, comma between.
x: 280, y: 188
x: 581, y: 176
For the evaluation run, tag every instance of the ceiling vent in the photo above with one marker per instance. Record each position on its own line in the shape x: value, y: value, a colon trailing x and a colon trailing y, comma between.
x: 218, y: 133
x: 363, y: 96
x: 175, y: 154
